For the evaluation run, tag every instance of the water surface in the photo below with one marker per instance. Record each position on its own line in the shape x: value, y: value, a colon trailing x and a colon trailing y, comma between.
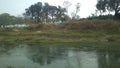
x: 44, y: 56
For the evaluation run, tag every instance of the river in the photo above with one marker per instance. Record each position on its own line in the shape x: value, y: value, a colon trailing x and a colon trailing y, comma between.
x: 48, y: 56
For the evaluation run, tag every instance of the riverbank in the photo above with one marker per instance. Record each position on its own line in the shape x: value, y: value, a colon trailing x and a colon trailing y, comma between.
x: 58, y: 36
x: 73, y: 31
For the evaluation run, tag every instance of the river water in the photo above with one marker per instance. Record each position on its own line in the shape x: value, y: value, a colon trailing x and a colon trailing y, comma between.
x: 42, y: 56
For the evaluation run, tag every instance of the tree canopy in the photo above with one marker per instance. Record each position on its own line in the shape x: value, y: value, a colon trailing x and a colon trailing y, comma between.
x: 45, y: 13
x: 7, y: 19
x: 109, y: 5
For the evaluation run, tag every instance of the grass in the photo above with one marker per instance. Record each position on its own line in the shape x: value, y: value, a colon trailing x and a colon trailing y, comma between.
x: 56, y: 36
x: 78, y: 31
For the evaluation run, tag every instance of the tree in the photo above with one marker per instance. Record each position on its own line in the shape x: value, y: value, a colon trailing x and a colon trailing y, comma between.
x: 115, y: 6
x: 52, y: 12
x: 101, y: 6
x: 109, y: 5
x: 45, y: 13
x: 34, y: 11
x: 66, y: 4
x: 5, y: 19
x: 27, y: 20
x: 61, y: 14
x: 74, y: 14
x: 18, y: 20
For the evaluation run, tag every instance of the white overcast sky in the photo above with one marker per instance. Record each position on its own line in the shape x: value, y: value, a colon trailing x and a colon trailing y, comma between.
x: 17, y: 7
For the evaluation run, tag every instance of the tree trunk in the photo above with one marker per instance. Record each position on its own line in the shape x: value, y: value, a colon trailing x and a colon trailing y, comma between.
x: 116, y: 13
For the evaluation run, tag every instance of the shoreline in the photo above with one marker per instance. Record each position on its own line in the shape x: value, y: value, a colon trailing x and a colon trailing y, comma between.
x: 57, y: 37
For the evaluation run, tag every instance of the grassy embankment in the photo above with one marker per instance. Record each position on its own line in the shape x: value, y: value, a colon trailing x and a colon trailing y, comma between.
x: 80, y: 31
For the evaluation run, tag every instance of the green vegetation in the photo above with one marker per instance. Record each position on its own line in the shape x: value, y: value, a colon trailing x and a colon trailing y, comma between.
x: 40, y: 13
x: 46, y: 25
x: 110, y: 6
x: 80, y: 31
x: 51, y: 24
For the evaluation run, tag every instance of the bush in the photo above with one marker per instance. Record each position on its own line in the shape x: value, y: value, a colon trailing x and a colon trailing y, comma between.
x: 111, y: 25
x: 105, y: 25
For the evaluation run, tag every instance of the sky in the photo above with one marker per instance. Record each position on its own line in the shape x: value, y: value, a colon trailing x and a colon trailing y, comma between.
x: 17, y: 7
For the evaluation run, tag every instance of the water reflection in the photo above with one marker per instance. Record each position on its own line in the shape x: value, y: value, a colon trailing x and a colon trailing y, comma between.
x: 42, y: 56
x: 109, y: 59
x: 4, y: 48
x: 45, y: 55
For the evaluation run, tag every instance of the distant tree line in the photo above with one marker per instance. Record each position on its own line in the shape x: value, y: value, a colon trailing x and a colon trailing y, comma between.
x: 6, y: 19
x: 46, y: 13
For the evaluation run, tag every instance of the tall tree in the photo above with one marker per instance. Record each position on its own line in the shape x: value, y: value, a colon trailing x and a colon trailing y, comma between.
x: 115, y: 6
x: 61, y: 14
x: 110, y: 5
x: 45, y: 13
x: 34, y: 12
x: 101, y: 6
x: 52, y: 12
x: 75, y: 13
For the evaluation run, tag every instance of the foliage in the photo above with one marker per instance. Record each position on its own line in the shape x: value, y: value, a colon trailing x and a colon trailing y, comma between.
x: 101, y: 6
x: 109, y: 5
x: 7, y: 19
x: 45, y: 13
x: 84, y: 25
x: 73, y: 31
x: 95, y: 25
